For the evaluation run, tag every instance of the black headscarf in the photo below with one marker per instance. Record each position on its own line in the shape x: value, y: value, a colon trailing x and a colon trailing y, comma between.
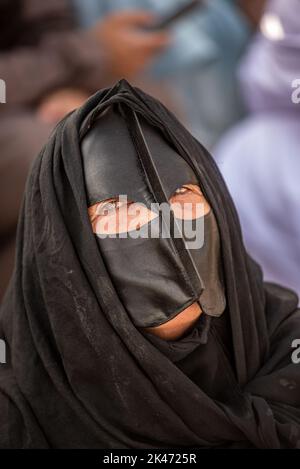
x: 79, y: 374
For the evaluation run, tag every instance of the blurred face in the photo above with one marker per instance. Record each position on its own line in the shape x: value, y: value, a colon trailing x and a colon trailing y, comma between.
x: 127, y: 216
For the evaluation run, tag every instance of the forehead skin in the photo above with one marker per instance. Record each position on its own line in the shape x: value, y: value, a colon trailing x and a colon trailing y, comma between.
x: 112, y: 168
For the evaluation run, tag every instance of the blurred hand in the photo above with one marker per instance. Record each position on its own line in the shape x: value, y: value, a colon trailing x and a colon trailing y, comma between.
x: 58, y: 103
x: 253, y: 9
x: 127, y: 47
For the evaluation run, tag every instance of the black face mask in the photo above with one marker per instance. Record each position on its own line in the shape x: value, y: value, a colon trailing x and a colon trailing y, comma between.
x: 154, y: 278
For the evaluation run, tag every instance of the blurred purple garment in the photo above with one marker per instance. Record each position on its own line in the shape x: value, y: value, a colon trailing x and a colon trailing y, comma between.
x: 260, y: 163
x: 272, y: 62
x: 259, y: 158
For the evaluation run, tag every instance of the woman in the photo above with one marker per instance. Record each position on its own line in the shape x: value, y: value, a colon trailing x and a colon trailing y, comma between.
x: 90, y: 367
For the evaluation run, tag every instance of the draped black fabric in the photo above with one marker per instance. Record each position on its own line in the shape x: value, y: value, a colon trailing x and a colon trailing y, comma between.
x: 80, y: 375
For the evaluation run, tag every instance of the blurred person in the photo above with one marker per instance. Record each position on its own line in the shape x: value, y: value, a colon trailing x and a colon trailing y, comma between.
x: 49, y: 69
x: 260, y: 158
x: 198, y: 69
x: 140, y: 342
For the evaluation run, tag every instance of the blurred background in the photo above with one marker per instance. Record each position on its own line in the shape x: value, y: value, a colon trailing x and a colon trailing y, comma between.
x: 228, y: 69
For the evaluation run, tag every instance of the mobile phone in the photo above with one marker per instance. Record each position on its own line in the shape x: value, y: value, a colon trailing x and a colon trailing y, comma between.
x: 176, y: 15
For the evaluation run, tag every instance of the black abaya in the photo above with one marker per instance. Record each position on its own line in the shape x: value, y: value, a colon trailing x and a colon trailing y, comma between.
x: 80, y: 375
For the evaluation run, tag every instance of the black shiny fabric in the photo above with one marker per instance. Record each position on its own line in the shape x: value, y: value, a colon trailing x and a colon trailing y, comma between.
x: 79, y: 374
x: 111, y: 165
x: 149, y: 276
x: 208, y: 258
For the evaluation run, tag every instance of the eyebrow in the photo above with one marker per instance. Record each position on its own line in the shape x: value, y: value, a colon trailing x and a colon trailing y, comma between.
x: 106, y: 200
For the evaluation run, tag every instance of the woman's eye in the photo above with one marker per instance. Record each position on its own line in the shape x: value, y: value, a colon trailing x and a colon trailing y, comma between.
x: 108, y: 207
x: 188, y: 189
x: 111, y: 206
x: 181, y: 190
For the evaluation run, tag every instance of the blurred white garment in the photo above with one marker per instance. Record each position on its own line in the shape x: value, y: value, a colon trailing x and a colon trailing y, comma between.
x: 260, y: 161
